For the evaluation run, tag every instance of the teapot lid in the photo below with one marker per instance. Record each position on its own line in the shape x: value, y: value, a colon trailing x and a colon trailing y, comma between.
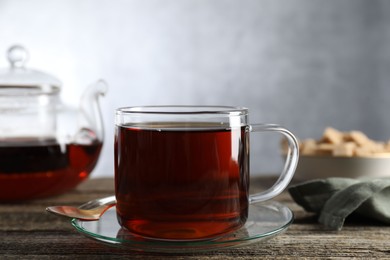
x: 20, y: 80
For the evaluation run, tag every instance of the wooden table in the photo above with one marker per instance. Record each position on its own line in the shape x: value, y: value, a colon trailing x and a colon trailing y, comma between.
x: 27, y: 231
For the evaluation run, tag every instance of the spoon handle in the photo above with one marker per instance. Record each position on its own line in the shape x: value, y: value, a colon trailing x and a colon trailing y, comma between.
x: 97, y: 203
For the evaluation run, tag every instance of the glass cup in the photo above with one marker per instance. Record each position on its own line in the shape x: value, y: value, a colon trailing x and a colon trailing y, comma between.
x: 182, y: 172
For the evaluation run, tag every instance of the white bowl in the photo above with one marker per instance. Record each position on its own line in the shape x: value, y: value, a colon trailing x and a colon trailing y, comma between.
x: 319, y: 167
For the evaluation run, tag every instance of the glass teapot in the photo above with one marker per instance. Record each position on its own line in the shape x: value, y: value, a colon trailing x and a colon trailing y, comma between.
x: 46, y: 148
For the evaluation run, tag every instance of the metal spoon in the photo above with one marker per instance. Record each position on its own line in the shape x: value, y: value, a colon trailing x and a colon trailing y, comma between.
x: 91, y: 210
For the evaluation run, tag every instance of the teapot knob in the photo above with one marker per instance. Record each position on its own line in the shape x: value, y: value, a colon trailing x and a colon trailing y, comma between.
x: 17, y: 56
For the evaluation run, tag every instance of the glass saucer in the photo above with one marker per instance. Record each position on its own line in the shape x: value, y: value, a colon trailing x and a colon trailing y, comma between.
x: 265, y: 220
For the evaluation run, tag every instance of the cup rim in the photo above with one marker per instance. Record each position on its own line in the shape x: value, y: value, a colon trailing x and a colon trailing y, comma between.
x: 183, y: 110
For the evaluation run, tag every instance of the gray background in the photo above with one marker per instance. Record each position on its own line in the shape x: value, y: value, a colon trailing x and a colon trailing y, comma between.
x: 304, y: 64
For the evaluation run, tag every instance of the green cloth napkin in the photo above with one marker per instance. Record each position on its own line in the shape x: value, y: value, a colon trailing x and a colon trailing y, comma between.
x: 334, y: 199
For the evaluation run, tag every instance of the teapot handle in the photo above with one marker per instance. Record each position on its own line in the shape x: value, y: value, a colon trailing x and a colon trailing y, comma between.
x: 90, y: 115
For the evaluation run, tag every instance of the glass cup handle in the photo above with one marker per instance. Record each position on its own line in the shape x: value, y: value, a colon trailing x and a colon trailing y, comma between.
x: 289, y: 166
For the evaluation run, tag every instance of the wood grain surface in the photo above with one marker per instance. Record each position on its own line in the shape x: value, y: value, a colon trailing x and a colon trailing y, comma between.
x: 28, y: 232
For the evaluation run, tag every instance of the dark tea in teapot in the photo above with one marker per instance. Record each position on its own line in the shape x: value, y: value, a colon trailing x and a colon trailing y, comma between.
x: 32, y: 168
